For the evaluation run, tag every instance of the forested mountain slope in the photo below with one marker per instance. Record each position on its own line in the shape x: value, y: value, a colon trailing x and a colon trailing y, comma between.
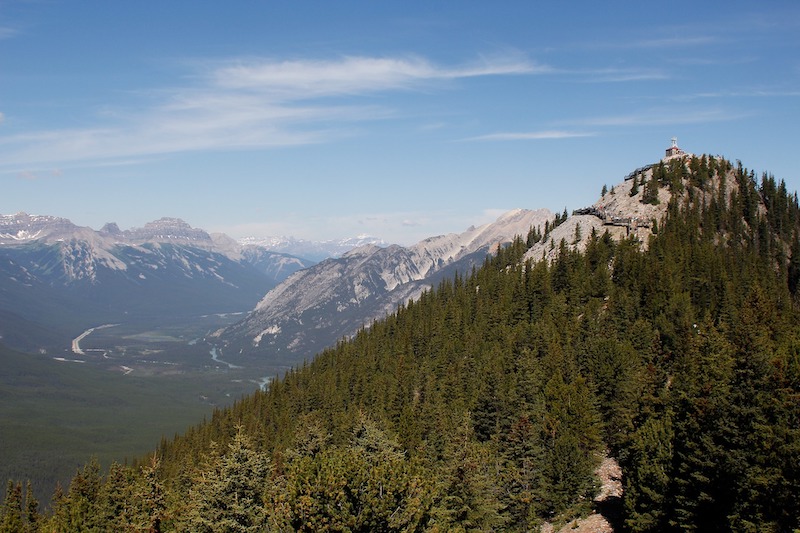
x: 485, y: 405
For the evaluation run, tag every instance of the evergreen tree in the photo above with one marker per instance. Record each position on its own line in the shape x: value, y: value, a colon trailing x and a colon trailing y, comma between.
x: 150, y: 500
x: 647, y: 475
x: 469, y: 495
x: 11, y: 515
x: 77, y: 510
x: 635, y: 186
x: 369, y: 485
x: 115, y: 499
x: 571, y: 437
x: 577, y: 236
x: 650, y: 194
x: 228, y: 493
x: 31, y: 510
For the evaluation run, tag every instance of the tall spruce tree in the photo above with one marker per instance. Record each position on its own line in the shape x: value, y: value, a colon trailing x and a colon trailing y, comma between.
x: 228, y: 493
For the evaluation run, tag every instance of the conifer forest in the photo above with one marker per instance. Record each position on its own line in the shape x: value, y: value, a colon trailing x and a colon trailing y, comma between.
x: 488, y: 403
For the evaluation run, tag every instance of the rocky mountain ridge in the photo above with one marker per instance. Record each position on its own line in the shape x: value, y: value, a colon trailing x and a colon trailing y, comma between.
x: 624, y: 211
x: 99, y: 246
x: 314, y: 307
x: 58, y: 277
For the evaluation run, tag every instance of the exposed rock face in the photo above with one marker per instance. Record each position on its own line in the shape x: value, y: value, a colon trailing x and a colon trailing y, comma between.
x: 619, y: 213
x: 168, y: 230
x: 315, y: 307
x: 111, y: 228
x: 22, y: 227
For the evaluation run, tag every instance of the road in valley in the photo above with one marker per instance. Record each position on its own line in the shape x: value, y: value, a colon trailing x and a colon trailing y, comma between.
x: 76, y: 342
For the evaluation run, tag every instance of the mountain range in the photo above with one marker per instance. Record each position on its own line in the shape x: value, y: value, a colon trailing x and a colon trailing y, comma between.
x: 57, y: 278
x: 312, y: 250
x: 315, y: 307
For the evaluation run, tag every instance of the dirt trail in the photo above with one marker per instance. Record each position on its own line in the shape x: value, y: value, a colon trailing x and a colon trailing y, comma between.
x: 607, y: 504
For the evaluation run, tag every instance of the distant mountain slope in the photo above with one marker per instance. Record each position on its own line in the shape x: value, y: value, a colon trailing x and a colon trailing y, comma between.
x: 315, y: 307
x: 312, y: 250
x: 59, y: 277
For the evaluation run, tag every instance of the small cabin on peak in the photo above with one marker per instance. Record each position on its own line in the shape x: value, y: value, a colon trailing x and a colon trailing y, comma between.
x: 673, y: 151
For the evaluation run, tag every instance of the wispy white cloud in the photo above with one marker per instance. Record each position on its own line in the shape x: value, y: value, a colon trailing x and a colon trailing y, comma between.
x: 27, y: 175
x: 673, y: 38
x: 30, y: 175
x: 610, y: 74
x: 8, y: 33
x: 751, y: 93
x: 530, y: 136
x: 692, y: 60
x: 615, y: 75
x: 676, y: 41
x: 666, y: 116
x: 303, y: 79
x: 247, y: 104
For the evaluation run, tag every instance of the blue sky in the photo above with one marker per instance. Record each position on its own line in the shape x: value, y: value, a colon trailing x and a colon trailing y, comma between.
x: 397, y: 119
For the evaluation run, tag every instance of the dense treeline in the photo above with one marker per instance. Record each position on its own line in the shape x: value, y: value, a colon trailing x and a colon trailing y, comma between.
x: 487, y: 403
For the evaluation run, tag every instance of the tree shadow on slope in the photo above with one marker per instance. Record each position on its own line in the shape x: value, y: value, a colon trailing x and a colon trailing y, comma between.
x: 611, y: 509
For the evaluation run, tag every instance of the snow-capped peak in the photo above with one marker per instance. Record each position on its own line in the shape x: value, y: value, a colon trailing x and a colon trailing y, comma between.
x: 314, y: 250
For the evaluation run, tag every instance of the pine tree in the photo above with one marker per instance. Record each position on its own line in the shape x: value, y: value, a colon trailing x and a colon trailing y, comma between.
x: 115, y: 499
x: 77, y: 511
x: 650, y: 194
x: 149, y: 498
x: 228, y: 493
x: 368, y: 485
x: 31, y: 510
x: 647, y: 467
x: 571, y: 437
x: 469, y: 495
x: 59, y: 517
x: 526, y: 490
x: 577, y: 236
x: 635, y: 186
x: 11, y: 514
